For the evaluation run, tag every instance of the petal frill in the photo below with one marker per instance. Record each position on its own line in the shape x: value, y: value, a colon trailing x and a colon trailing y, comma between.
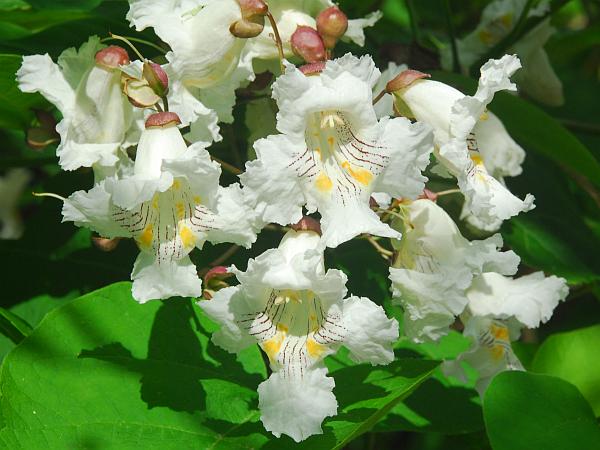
x: 296, y: 406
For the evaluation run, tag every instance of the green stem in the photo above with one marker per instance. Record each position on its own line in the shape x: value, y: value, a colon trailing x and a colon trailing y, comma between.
x: 412, y: 14
x: 523, y: 26
x: 13, y: 327
x: 452, y: 36
x: 134, y: 39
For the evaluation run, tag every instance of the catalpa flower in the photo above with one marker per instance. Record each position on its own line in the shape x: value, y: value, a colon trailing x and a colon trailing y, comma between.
x: 206, y: 55
x: 298, y: 314
x: 170, y: 204
x: 333, y: 152
x: 499, y: 18
x: 456, y: 120
x: 434, y: 267
x: 12, y: 185
x: 85, y: 86
x: 499, y: 307
x: 289, y: 15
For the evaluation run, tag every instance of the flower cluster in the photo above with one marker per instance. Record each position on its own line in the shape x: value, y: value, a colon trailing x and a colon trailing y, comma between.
x: 338, y: 154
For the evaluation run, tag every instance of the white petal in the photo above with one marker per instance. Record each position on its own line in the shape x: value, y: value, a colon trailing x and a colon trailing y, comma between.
x: 38, y: 73
x: 269, y: 183
x: 297, y: 406
x: 228, y: 307
x: 356, y: 27
x: 363, y: 68
x: 169, y: 278
x: 385, y: 106
x: 530, y: 299
x: 539, y: 80
x: 370, y: 334
x: 93, y: 209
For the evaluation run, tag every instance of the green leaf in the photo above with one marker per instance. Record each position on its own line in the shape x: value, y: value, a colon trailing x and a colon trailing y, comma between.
x: 21, y: 24
x: 65, y: 4
x: 15, y: 106
x: 13, y: 326
x: 525, y: 411
x: 106, y: 372
x: 573, y: 356
x: 9, y: 5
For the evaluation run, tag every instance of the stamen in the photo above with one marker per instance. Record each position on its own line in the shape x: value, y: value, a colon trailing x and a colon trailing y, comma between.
x: 49, y: 194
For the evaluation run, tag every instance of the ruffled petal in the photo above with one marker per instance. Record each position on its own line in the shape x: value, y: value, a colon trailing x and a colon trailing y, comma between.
x: 297, y: 406
x: 356, y: 27
x: 370, y: 334
x: 228, y: 307
x: 169, y: 278
x: 530, y: 299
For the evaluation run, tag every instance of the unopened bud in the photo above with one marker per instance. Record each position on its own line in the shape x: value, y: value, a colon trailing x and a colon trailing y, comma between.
x: 156, y: 77
x: 307, y: 224
x: 139, y: 92
x: 104, y: 244
x: 404, y: 79
x: 112, y: 57
x: 252, y: 22
x: 332, y: 23
x: 308, y: 45
x: 214, y: 280
x: 162, y: 119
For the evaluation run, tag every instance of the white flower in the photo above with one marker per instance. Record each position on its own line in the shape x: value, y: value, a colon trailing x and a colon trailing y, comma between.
x: 435, y: 266
x: 297, y: 313
x: 12, y: 185
x: 97, y: 119
x: 537, y: 78
x: 456, y: 120
x: 205, y: 56
x: 333, y: 152
x: 289, y: 14
x: 170, y: 204
x: 385, y: 106
x: 499, y: 307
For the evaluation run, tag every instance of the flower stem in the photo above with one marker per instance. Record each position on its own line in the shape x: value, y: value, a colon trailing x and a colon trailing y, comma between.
x: 128, y: 42
x: 379, y: 96
x: 447, y: 192
x: 228, y: 167
x: 384, y: 252
x: 114, y: 37
x: 278, y: 41
x: 49, y: 194
x: 414, y: 29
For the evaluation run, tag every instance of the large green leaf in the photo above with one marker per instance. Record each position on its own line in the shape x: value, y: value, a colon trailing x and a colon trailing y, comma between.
x: 105, y: 372
x: 15, y: 106
x: 20, y: 24
x: 573, y: 356
x: 525, y: 411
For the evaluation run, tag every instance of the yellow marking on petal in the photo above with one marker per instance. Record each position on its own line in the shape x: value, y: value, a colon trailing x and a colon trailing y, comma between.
x: 323, y: 183
x: 477, y: 160
x: 331, y: 141
x: 145, y: 238
x: 176, y: 185
x: 486, y: 37
x: 497, y: 351
x: 315, y: 350
x: 318, y: 150
x: 180, y: 210
x: 281, y: 327
x: 188, y: 239
x: 197, y: 199
x: 272, y: 346
x: 155, y: 201
x: 507, y: 20
x: 363, y: 176
x: 484, y: 116
x: 500, y: 332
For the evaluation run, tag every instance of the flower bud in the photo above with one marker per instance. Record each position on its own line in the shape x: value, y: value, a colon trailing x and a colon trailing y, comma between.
x: 404, y: 79
x: 112, y: 57
x: 308, y: 45
x: 156, y: 77
x: 307, y: 224
x: 162, y: 119
x: 214, y: 280
x: 104, y: 244
x: 253, y: 19
x: 139, y: 92
x: 332, y: 23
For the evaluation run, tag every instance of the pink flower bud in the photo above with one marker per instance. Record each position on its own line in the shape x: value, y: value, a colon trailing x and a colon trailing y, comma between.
x: 308, y: 45
x: 112, y: 57
x: 332, y: 23
x: 307, y: 224
x: 218, y: 272
x: 162, y: 119
x: 253, y: 19
x: 312, y: 68
x: 404, y: 79
x: 156, y: 77
x: 104, y: 244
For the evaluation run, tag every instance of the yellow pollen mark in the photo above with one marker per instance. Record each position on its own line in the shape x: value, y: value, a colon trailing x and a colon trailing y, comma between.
x: 272, y: 347
x: 477, y: 160
x: 187, y: 237
x: 323, y: 183
x: 180, y: 210
x: 315, y: 350
x: 145, y: 238
x: 155, y: 201
x: 500, y: 333
x: 497, y: 351
x: 486, y: 37
x: 363, y: 176
x: 318, y: 150
x: 197, y: 199
x: 331, y: 141
x: 281, y: 327
x: 507, y: 20
x: 484, y: 116
x: 176, y: 185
